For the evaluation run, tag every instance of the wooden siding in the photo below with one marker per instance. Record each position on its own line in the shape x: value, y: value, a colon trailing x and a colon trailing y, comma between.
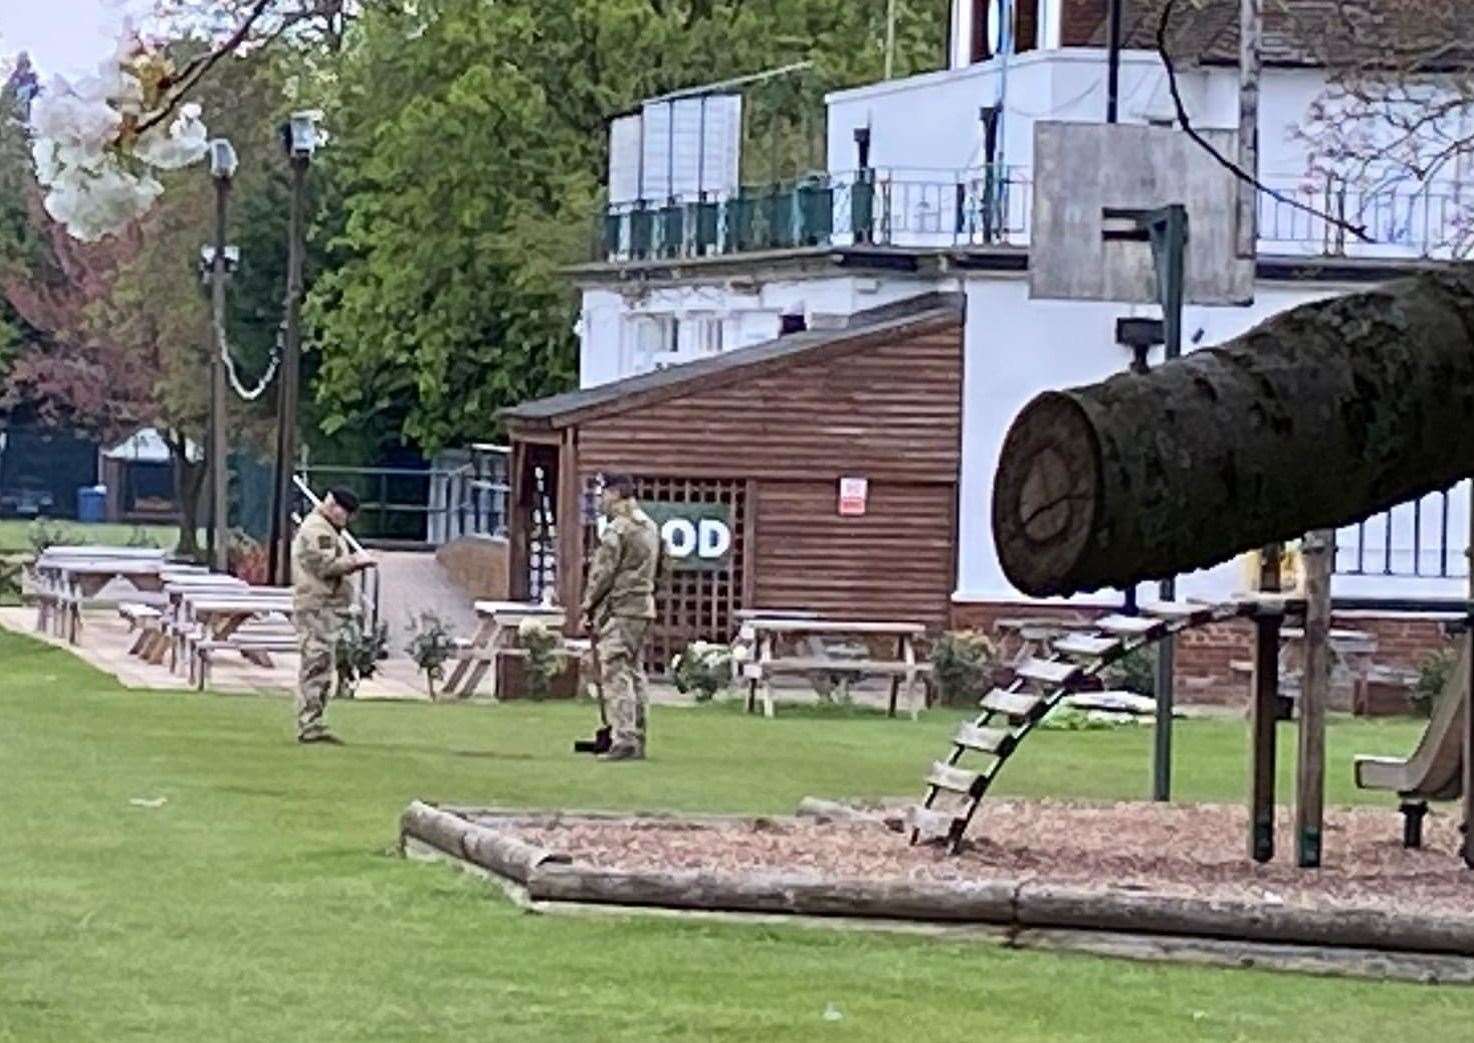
x: 895, y: 562
x: 889, y: 412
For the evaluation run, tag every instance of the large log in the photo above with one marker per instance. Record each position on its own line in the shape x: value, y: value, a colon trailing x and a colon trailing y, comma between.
x: 1316, y: 418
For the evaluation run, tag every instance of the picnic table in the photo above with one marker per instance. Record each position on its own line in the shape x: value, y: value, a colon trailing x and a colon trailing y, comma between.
x: 254, y: 622
x: 767, y: 633
x: 495, y: 636
x: 1352, y: 652
x: 162, y: 629
x: 67, y: 581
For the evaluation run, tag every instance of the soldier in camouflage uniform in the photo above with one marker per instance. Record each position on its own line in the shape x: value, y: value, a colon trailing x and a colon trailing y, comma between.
x: 321, y: 599
x: 619, y: 604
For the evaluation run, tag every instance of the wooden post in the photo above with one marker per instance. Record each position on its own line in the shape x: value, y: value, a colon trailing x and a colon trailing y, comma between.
x: 1251, y: 26
x: 1468, y: 772
x: 1267, y: 623
x: 1314, y: 694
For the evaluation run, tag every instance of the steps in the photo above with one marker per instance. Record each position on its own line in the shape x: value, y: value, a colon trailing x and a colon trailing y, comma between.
x: 954, y: 792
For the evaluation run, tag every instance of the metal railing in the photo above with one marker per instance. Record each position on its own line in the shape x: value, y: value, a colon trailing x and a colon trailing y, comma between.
x: 880, y: 207
x: 920, y: 208
x: 1431, y: 221
x: 1412, y: 540
x: 425, y: 505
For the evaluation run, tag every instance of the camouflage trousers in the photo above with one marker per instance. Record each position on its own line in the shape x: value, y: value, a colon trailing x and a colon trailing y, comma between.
x: 626, y: 701
x: 317, y: 636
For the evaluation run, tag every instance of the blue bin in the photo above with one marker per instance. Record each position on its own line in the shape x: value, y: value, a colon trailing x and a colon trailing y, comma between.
x: 92, y: 503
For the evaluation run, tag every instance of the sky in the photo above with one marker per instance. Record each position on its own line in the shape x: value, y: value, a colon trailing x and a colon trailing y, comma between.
x: 65, y: 36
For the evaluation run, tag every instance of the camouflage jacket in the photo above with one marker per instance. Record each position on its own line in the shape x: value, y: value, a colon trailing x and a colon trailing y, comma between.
x: 320, y: 566
x: 629, y: 560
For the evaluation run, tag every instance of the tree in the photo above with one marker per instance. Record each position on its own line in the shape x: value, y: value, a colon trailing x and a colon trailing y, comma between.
x: 1396, y: 117
x: 471, y: 148
x: 1319, y: 417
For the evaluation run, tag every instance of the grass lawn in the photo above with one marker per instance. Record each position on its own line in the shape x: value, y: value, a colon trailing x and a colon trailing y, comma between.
x: 13, y: 534
x: 261, y: 902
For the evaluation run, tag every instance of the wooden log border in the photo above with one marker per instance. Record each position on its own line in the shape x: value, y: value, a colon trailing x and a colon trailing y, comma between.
x: 1027, y: 913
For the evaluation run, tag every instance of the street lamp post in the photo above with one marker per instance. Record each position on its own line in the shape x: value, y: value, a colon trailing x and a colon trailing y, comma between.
x: 300, y: 138
x: 223, y: 165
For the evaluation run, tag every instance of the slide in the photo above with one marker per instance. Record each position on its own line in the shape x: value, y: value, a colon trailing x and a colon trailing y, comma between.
x: 1435, y: 770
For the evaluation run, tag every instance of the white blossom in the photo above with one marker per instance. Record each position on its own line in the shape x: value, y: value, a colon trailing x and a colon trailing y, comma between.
x: 99, y: 176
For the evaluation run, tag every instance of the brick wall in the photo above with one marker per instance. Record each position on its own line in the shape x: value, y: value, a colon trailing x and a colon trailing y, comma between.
x: 1206, y: 657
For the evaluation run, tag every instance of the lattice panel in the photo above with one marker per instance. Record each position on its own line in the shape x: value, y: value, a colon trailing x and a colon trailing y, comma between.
x: 692, y: 605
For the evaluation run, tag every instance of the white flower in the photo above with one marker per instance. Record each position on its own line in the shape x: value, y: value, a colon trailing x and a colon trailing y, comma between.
x: 531, y: 628
x: 185, y: 141
x: 96, y: 184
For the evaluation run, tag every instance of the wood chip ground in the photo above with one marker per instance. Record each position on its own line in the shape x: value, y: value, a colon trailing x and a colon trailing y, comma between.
x: 1187, y: 850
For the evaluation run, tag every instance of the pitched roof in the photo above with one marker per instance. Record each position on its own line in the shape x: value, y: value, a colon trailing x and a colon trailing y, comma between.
x: 1296, y: 32
x: 856, y: 332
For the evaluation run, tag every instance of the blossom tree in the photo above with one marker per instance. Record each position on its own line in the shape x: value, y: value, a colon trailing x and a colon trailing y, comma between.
x: 1391, y: 136
x: 101, y: 141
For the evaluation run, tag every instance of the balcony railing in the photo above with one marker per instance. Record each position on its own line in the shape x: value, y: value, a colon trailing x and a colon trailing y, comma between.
x: 993, y: 207
x: 860, y: 208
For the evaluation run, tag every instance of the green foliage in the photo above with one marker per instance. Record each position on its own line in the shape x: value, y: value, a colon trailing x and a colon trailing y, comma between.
x: 962, y: 665
x: 140, y: 538
x: 1073, y: 719
x: 470, y: 148
x: 1135, y: 672
x: 1433, y: 677
x: 431, y: 646
x: 12, y: 570
x: 703, y: 670
x: 45, y: 533
x: 360, y: 651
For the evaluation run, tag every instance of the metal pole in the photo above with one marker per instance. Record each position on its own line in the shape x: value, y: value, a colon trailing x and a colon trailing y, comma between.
x: 291, y: 374
x: 1170, y: 283
x: 1314, y: 694
x: 219, y: 538
x: 1113, y: 70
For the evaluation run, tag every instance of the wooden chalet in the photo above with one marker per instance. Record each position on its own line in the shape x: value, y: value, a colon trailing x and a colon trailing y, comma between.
x: 743, y: 458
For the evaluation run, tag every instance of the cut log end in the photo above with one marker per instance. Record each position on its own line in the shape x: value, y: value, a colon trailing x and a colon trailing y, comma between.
x: 1045, y: 494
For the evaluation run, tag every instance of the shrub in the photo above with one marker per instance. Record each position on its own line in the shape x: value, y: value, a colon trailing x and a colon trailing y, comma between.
x: 1433, y: 676
x: 247, y: 559
x: 359, y: 653
x: 44, y: 534
x: 703, y: 669
x: 963, y: 662
x: 543, y: 666
x: 1135, y: 672
x: 139, y: 537
x: 431, y: 646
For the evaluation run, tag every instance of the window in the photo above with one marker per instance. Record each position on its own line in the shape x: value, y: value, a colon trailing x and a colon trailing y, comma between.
x: 709, y: 336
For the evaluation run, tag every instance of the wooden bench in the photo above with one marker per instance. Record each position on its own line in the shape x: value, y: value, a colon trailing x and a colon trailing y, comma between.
x: 204, y: 649
x: 143, y: 620
x: 822, y: 661
x: 845, y: 672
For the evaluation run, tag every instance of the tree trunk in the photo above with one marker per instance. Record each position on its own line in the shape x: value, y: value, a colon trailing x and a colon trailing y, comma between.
x: 189, y: 480
x: 1315, y: 419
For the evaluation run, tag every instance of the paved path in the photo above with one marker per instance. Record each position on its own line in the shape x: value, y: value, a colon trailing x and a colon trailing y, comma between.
x: 412, y: 583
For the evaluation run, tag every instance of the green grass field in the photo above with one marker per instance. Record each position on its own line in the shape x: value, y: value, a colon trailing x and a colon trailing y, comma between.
x: 14, y: 534
x: 262, y: 901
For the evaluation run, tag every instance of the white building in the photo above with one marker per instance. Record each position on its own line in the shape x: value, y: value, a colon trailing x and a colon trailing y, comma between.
x: 915, y: 200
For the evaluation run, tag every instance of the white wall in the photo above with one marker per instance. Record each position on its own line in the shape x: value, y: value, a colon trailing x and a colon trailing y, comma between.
x: 1070, y: 84
x: 750, y: 311
x: 1017, y: 348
